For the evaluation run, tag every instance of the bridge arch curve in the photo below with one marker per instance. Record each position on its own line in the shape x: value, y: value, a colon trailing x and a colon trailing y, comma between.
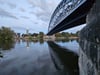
x: 69, y: 13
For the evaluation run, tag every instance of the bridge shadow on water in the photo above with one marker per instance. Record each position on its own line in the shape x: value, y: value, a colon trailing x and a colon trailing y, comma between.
x: 64, y: 60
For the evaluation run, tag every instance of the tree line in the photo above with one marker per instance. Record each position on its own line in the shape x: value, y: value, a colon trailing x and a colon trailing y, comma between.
x: 8, y: 34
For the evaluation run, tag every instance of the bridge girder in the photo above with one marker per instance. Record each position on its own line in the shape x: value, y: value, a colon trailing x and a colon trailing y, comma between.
x: 68, y: 14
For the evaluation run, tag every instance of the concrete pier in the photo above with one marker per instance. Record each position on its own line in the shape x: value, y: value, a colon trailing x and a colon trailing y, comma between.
x: 89, y: 61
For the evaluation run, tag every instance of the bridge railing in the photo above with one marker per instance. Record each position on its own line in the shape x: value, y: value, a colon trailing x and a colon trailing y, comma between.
x: 65, y: 8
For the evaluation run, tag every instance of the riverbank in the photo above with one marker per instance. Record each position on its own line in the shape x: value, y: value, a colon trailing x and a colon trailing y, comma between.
x: 47, y: 38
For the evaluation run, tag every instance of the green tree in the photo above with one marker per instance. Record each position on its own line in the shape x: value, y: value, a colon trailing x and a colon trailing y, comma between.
x: 41, y: 34
x: 35, y: 35
x: 63, y: 34
x: 6, y: 33
x: 58, y: 35
x: 67, y: 34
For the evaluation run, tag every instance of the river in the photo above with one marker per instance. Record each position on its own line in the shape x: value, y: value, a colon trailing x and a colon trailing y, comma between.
x: 39, y: 58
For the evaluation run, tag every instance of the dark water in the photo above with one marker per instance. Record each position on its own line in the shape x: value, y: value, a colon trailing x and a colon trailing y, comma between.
x: 39, y: 58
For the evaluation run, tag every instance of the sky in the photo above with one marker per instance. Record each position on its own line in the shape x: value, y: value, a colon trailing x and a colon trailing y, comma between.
x: 34, y: 15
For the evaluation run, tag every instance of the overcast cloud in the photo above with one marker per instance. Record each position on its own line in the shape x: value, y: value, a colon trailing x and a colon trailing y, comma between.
x: 27, y: 14
x: 4, y: 13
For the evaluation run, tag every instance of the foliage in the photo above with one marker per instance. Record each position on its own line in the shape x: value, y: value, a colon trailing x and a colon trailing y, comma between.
x: 34, y: 35
x: 41, y: 34
x: 6, y: 33
x: 58, y: 35
x: 66, y: 34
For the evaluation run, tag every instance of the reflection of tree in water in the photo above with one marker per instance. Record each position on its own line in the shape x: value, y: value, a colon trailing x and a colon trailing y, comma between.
x: 62, y: 40
x: 6, y: 44
x: 34, y: 41
x: 41, y: 41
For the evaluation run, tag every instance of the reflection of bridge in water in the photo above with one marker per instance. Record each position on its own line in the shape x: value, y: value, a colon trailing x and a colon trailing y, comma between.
x: 71, y: 13
x: 65, y: 61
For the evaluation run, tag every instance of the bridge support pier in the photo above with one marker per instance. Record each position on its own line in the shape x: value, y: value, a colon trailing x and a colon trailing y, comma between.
x: 89, y: 61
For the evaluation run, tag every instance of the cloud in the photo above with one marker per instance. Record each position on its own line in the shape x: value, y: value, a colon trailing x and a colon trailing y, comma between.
x: 4, y: 13
x: 30, y: 13
x: 22, y: 10
x: 43, y: 9
x: 40, y: 14
x: 25, y: 17
x: 19, y: 27
x: 11, y: 5
x: 1, y: 2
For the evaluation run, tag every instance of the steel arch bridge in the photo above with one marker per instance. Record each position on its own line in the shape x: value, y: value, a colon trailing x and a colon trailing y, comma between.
x: 68, y: 14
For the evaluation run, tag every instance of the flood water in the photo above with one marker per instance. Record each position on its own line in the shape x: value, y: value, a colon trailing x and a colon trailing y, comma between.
x: 39, y: 58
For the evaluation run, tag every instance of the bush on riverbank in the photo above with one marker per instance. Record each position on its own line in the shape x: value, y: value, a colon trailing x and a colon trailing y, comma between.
x: 6, y: 34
